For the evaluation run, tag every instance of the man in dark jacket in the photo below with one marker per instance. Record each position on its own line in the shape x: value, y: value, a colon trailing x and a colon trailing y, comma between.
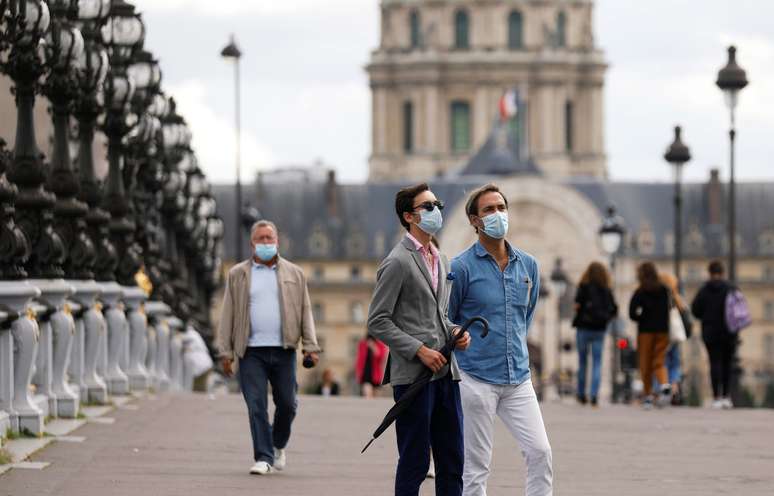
x: 709, y: 306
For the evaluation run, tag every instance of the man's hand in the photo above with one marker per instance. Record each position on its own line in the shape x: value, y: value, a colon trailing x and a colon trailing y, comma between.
x: 464, y: 341
x: 314, y: 356
x: 227, y: 366
x: 431, y: 358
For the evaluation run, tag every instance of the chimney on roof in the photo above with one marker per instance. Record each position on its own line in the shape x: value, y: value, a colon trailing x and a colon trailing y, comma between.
x: 715, y: 198
x: 332, y: 195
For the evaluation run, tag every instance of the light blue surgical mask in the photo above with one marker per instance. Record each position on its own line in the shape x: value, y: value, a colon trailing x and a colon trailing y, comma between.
x: 496, y: 225
x: 430, y: 222
x: 266, y: 252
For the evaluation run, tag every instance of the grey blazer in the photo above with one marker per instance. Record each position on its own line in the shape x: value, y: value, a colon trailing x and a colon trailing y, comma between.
x: 407, y: 312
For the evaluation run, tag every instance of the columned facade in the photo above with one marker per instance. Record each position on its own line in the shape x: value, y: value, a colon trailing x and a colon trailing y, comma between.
x: 452, y: 61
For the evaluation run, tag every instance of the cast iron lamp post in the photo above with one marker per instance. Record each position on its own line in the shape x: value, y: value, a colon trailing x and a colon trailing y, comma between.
x: 731, y: 80
x: 611, y: 234
x: 232, y: 52
x: 64, y: 47
x: 677, y: 155
x: 26, y: 24
x: 122, y: 33
x: 92, y: 67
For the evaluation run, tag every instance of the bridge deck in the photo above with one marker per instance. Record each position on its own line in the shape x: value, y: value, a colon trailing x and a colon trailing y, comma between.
x: 189, y: 445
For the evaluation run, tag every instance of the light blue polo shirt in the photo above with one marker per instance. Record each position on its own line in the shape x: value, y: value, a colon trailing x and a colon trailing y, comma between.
x: 265, y: 313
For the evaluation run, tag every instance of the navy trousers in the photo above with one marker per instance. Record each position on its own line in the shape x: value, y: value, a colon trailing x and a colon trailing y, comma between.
x: 433, y: 420
x: 258, y: 368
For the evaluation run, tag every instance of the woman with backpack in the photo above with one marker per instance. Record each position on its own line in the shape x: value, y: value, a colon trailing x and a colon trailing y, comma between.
x: 594, y: 308
x: 649, y: 307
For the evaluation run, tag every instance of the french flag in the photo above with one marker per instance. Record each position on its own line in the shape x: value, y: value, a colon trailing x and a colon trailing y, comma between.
x: 509, y: 105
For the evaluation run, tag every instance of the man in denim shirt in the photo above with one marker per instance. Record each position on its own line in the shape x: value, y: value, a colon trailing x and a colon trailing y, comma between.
x: 499, y: 282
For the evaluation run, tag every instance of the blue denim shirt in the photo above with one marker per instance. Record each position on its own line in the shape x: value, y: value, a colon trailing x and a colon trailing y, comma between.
x: 507, y: 299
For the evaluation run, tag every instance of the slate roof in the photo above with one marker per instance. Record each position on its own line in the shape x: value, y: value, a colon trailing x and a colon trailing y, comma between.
x: 362, y: 224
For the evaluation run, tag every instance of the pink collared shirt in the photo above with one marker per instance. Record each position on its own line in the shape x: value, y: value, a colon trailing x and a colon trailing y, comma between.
x: 431, y: 259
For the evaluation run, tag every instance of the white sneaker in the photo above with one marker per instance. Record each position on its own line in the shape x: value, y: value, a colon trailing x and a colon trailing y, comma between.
x: 260, y: 468
x: 727, y: 404
x: 717, y: 404
x: 279, y: 459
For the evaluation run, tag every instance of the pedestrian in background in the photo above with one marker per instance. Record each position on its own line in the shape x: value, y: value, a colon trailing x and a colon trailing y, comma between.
x: 709, y: 306
x: 673, y: 359
x: 266, y: 312
x: 328, y: 385
x: 369, y: 365
x: 595, y: 307
x: 649, y: 307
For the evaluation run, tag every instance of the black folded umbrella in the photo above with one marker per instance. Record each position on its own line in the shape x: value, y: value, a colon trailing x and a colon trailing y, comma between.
x: 422, y: 380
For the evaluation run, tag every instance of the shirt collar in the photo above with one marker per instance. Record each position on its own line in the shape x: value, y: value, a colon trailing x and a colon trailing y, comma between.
x: 419, y: 247
x: 481, y: 251
x: 258, y: 266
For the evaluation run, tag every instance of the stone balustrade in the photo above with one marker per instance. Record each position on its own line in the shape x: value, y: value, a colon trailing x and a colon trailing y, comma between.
x: 53, y: 335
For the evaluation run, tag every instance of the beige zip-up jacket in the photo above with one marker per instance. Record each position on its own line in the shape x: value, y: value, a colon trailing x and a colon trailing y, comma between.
x: 295, y: 306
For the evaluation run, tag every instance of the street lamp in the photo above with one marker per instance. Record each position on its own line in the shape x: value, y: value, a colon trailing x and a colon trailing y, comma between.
x: 559, y: 280
x: 731, y: 80
x: 677, y: 155
x: 232, y: 52
x: 611, y: 233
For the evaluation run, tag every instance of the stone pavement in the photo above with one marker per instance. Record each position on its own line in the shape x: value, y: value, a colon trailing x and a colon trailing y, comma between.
x: 192, y: 445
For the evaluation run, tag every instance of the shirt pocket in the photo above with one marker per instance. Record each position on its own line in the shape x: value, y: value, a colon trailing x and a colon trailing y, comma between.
x: 520, y: 294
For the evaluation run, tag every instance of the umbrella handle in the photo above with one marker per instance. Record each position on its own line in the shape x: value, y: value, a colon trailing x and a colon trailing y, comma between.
x: 473, y: 320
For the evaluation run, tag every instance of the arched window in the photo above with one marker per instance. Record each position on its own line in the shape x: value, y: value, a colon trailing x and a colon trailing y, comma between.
x: 461, y: 30
x: 568, y: 130
x: 561, y: 29
x: 515, y: 31
x: 460, y: 126
x: 415, y: 28
x: 408, y: 127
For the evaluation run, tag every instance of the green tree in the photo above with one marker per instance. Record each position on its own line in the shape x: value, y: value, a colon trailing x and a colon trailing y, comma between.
x: 768, y: 400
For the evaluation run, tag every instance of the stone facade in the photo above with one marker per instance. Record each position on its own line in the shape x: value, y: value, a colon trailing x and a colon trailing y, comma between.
x: 435, y: 54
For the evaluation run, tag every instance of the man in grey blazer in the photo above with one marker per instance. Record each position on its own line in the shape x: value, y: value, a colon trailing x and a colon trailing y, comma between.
x: 409, y: 313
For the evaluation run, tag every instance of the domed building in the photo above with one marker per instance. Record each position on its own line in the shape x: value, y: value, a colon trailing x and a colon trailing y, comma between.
x: 468, y: 92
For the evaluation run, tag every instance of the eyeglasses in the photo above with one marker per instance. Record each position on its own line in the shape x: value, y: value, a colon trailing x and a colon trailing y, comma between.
x: 429, y: 206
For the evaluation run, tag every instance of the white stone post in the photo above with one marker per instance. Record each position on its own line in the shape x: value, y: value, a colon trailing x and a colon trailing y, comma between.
x: 18, y: 357
x: 53, y: 293
x: 89, y: 329
x: 63, y: 325
x: 175, y: 353
x: 162, y: 354
x: 157, y: 334
x: 150, y: 357
x: 118, y: 330
x: 138, y: 339
x: 6, y: 370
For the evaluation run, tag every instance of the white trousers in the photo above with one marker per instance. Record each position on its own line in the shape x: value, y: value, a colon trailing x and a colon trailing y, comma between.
x: 518, y: 408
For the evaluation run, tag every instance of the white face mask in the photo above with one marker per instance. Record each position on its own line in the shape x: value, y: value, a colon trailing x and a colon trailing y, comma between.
x: 496, y: 225
x: 430, y: 222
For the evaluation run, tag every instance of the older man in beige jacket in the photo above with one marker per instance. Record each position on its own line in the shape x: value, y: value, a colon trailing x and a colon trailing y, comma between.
x: 266, y: 311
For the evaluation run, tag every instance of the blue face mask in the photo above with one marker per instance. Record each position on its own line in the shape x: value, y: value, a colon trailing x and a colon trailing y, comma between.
x: 430, y: 222
x: 266, y: 252
x: 496, y: 225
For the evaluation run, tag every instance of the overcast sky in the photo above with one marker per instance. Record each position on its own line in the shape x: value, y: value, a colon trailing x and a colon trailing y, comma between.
x: 306, y: 96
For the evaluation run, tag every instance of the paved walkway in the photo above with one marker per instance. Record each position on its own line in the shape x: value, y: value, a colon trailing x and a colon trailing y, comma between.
x: 189, y: 445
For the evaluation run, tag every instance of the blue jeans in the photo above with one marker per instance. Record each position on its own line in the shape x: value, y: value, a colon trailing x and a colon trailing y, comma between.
x: 260, y: 367
x: 673, y: 365
x: 434, y: 420
x: 590, y: 341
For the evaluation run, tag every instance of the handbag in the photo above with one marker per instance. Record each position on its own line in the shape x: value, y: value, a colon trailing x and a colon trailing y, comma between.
x: 676, y: 327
